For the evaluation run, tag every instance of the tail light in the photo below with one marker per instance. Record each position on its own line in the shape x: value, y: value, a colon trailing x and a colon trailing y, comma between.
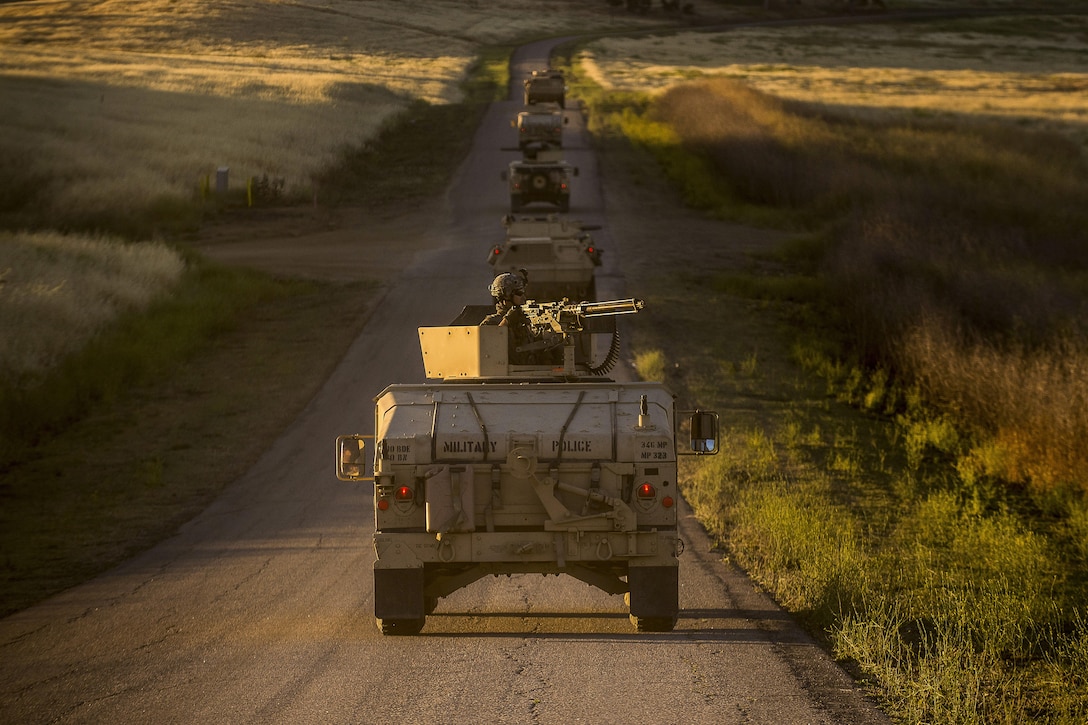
x: 646, y: 492
x: 404, y: 494
x: 667, y: 502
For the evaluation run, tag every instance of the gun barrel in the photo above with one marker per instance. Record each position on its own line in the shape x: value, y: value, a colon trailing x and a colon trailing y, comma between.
x: 612, y: 307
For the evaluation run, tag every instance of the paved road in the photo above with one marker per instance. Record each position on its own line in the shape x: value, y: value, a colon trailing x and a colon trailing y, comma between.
x: 260, y: 609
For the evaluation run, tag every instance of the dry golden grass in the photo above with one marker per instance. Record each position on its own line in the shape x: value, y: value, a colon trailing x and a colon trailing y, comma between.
x: 122, y: 102
x: 1031, y: 70
x: 57, y: 292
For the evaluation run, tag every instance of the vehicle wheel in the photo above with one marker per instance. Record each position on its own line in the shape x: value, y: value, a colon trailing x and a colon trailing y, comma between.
x: 540, y: 182
x: 399, y: 601
x: 400, y: 627
x: 654, y: 598
x: 653, y: 624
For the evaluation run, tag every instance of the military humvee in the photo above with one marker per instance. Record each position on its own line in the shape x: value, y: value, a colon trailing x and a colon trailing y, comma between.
x: 544, y: 177
x: 558, y: 254
x: 546, y: 86
x: 497, y: 469
x: 540, y: 127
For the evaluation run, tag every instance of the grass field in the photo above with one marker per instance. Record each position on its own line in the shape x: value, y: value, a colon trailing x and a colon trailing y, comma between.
x: 1030, y: 71
x: 936, y: 283
x: 119, y: 115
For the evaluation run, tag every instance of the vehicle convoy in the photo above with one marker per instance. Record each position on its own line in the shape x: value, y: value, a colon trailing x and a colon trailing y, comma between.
x: 546, y: 86
x: 498, y: 469
x: 543, y: 178
x: 557, y: 253
x: 540, y: 127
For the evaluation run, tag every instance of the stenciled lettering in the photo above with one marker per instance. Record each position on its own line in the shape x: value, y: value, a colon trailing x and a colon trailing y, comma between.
x: 574, y: 446
x: 468, y: 446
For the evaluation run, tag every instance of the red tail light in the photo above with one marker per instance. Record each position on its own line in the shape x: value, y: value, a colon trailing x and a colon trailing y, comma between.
x: 646, y: 491
x: 667, y: 502
x: 383, y: 504
x: 496, y: 251
x: 404, y: 494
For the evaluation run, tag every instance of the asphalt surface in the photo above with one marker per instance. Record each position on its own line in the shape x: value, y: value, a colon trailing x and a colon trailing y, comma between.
x: 260, y: 609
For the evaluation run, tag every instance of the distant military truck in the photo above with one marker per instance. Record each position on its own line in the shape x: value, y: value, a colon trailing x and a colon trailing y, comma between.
x: 540, y: 128
x: 546, y: 86
x: 543, y: 177
x: 496, y: 469
x: 558, y: 254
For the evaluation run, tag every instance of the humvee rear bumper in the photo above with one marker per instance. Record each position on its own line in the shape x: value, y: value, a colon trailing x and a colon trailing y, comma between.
x: 549, y: 551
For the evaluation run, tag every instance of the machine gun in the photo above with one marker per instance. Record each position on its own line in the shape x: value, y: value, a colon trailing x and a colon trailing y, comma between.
x: 566, y: 317
x: 555, y: 325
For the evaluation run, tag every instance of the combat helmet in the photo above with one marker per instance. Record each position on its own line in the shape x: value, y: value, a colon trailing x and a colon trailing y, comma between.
x: 504, y: 286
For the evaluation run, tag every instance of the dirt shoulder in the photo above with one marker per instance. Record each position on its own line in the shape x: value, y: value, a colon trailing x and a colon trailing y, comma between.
x: 347, y: 244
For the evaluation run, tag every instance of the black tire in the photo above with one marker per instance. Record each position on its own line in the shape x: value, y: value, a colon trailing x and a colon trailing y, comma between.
x: 653, y: 624
x: 654, y: 597
x: 400, y: 627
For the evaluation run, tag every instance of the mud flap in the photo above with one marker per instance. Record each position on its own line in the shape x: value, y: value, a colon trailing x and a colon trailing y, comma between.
x: 398, y: 594
x: 654, y: 591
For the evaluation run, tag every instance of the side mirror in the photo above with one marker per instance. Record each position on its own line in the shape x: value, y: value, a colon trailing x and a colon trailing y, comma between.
x: 350, y: 462
x: 702, y: 433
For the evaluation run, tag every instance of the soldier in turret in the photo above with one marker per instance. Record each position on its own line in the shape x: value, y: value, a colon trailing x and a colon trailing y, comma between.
x: 508, y: 292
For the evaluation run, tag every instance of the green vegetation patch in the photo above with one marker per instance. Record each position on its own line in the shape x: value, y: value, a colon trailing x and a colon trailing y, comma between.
x: 888, y: 471
x: 941, y: 265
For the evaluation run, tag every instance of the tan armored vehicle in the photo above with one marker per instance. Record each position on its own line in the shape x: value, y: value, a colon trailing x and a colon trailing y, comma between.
x: 558, y: 254
x: 540, y: 128
x: 498, y: 469
x: 546, y: 86
x: 542, y: 178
